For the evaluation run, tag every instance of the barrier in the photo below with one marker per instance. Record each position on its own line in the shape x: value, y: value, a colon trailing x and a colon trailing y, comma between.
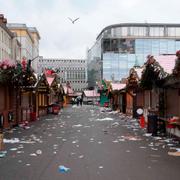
x: 33, y: 116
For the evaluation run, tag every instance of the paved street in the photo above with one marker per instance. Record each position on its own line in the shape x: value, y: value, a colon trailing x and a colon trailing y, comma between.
x: 95, y: 145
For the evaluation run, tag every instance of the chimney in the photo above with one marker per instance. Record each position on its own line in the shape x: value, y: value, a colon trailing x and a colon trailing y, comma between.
x: 1, y: 16
x: 5, y: 21
x: 2, y: 19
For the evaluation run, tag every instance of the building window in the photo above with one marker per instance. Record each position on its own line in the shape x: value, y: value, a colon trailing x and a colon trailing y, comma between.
x: 134, y: 31
x: 117, y: 31
x: 2, y: 35
x: 147, y: 31
x: 177, y: 31
x: 106, y: 45
x: 156, y: 31
x: 171, y: 31
x: 124, y: 31
x: 114, y: 45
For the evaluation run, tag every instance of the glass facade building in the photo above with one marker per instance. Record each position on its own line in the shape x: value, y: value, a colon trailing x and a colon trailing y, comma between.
x: 119, y: 47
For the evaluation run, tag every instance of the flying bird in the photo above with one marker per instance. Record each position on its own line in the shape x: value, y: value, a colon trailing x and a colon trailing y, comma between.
x: 73, y: 21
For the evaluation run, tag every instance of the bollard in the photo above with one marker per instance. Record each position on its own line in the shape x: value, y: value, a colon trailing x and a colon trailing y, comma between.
x: 142, y: 122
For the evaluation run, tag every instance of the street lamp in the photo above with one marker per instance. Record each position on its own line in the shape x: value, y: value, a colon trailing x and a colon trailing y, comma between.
x: 30, y: 60
x: 35, y: 65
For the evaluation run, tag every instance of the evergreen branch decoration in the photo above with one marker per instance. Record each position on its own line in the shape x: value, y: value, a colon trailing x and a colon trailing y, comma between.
x: 176, y: 70
x: 132, y: 80
x: 153, y: 75
x: 18, y: 74
x: 7, y: 69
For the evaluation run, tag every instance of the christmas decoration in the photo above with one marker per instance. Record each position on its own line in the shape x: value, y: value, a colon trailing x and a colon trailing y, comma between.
x: 7, y: 69
x: 153, y: 75
x: 176, y: 70
x: 19, y: 74
x: 23, y: 75
x: 132, y: 80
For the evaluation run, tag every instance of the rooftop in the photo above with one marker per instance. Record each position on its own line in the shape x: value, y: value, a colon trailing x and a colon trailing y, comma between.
x: 138, y: 25
x: 167, y: 62
x: 34, y: 30
x: 7, y: 30
x: 118, y: 86
x: 17, y: 26
x: 91, y: 93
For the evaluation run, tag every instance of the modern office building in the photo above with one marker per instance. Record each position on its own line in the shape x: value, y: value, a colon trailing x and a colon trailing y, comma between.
x: 118, y: 47
x: 73, y: 71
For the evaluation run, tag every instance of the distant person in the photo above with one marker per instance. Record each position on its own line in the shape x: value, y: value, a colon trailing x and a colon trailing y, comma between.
x: 77, y: 101
x: 81, y: 101
x: 73, y: 101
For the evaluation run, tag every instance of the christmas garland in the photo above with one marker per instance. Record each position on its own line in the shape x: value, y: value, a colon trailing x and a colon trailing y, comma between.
x: 19, y: 74
x: 7, y: 70
x: 176, y: 70
x: 24, y: 75
x: 132, y: 80
x: 152, y: 76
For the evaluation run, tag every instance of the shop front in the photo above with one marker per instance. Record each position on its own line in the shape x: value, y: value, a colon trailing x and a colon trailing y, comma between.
x: 8, y: 103
x: 41, y: 97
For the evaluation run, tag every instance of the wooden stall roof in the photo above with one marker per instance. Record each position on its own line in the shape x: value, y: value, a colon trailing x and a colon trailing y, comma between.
x: 91, y: 93
x: 167, y: 62
x: 118, y: 86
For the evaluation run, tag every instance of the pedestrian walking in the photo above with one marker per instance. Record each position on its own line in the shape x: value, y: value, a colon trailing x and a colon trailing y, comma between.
x: 77, y: 101
x: 81, y: 100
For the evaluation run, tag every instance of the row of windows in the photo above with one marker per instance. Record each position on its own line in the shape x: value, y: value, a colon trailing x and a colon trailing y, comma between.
x: 76, y: 75
x: 156, y: 46
x: 64, y: 61
x: 29, y: 45
x: 132, y: 46
x: 64, y: 68
x: 119, y: 45
x: 77, y: 81
x: 26, y: 46
x: 5, y: 38
x: 71, y: 68
x: 4, y: 54
x: 143, y: 31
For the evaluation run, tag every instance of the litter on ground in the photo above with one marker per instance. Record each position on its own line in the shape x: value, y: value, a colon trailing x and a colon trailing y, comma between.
x: 63, y: 169
x: 105, y: 119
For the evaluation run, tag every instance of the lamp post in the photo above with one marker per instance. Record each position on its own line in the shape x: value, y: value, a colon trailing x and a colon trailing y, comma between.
x: 30, y: 60
x: 35, y: 66
x: 33, y: 108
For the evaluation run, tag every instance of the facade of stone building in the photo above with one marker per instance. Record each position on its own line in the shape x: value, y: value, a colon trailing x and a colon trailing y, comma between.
x: 29, y: 39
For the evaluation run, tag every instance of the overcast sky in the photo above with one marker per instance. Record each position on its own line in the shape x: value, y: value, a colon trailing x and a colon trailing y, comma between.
x: 62, y: 39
